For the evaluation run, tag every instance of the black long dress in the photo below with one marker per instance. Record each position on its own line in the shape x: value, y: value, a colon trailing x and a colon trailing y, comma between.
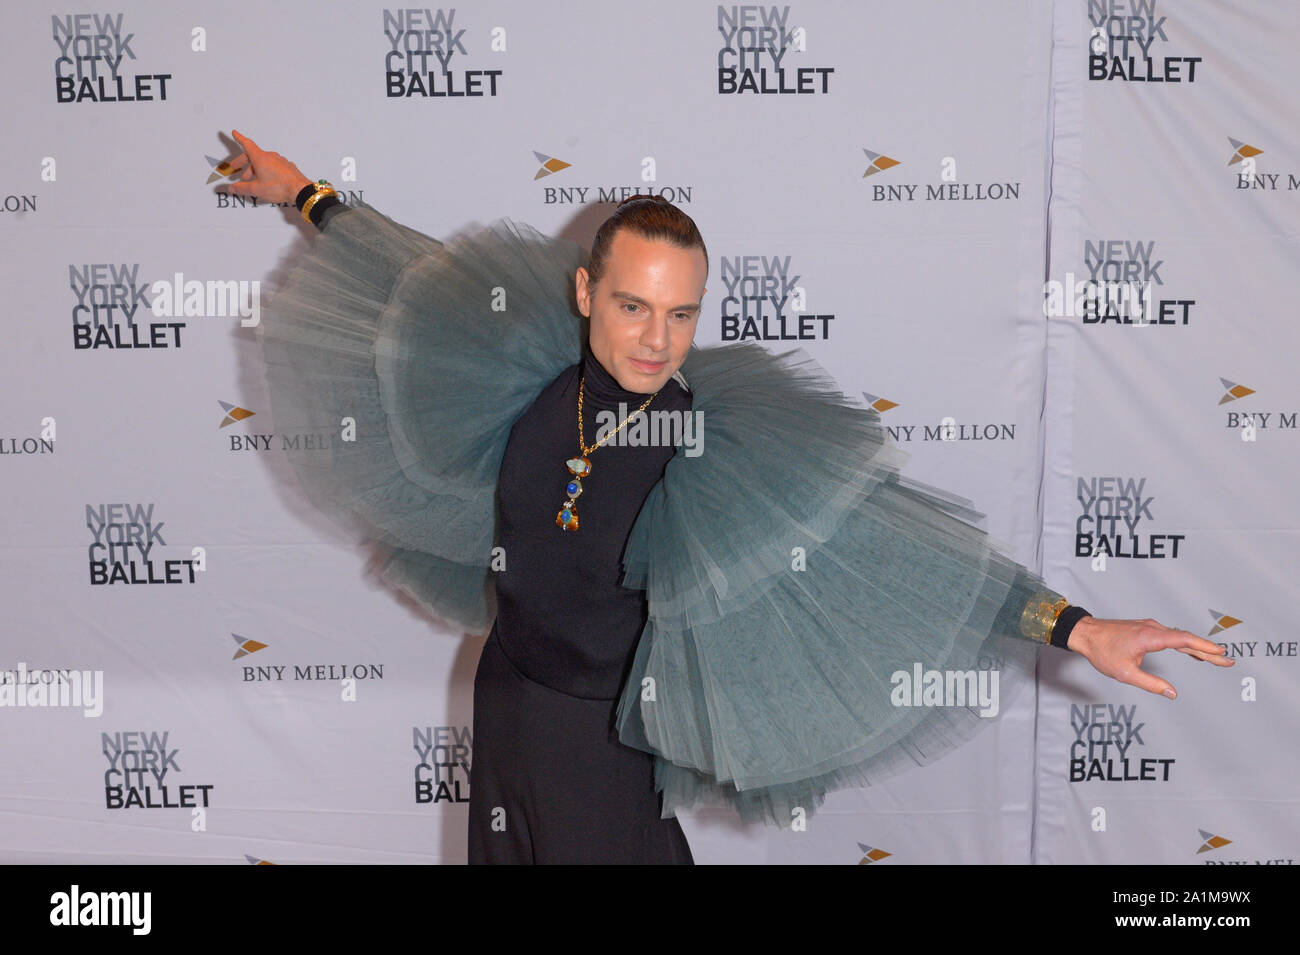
x: 550, y: 782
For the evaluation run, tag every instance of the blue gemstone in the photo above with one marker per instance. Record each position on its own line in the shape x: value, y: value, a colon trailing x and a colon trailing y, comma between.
x: 571, y: 487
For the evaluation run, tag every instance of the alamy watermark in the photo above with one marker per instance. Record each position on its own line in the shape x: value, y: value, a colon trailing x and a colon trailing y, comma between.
x: 1130, y: 301
x: 968, y: 688
x: 179, y: 297
x: 653, y: 428
x: 55, y: 687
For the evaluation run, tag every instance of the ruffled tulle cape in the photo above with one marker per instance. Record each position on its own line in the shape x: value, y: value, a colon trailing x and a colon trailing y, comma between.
x: 797, y: 584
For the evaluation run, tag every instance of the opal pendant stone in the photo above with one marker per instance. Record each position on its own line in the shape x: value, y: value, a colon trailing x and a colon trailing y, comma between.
x: 567, y: 519
x: 579, y: 466
x: 573, y: 488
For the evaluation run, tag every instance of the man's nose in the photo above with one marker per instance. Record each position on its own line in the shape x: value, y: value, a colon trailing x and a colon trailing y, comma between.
x: 655, y: 335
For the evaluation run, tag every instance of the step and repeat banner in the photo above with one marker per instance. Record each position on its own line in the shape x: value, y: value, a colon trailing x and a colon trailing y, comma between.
x: 1054, y: 244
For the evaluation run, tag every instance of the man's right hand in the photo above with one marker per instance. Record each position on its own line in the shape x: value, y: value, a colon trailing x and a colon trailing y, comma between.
x: 268, y: 176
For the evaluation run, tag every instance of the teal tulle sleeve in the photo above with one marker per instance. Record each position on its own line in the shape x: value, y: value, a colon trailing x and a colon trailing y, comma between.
x: 407, y: 361
x: 797, y: 586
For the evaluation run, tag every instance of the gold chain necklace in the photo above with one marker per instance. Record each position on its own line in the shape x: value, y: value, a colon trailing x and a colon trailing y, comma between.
x: 567, y: 518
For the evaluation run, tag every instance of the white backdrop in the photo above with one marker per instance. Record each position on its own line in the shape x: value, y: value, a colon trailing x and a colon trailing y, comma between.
x: 1004, y: 160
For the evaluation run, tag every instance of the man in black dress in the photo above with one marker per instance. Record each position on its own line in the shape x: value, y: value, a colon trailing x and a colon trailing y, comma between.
x: 550, y: 781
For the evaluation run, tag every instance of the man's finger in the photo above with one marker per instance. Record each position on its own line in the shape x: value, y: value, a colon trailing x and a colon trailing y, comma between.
x: 1218, y: 659
x: 239, y: 188
x: 250, y: 147
x: 1149, y: 682
x: 1183, y: 638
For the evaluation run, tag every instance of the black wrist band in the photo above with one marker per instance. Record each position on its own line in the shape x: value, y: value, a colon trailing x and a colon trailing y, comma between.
x: 322, y: 206
x: 305, y: 193
x: 1065, y: 623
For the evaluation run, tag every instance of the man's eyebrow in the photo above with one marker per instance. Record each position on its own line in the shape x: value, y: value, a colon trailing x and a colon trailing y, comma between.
x: 688, y: 307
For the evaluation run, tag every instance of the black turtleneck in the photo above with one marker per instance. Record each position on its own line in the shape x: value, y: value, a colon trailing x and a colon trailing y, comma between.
x: 562, y: 617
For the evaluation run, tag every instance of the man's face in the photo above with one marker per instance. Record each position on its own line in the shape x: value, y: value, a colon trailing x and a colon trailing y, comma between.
x: 644, y: 309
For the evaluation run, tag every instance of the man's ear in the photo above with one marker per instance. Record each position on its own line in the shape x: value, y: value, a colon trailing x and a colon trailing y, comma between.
x: 582, y: 291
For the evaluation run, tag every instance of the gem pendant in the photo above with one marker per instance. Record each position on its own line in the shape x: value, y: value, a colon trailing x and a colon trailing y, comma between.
x: 567, y: 518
